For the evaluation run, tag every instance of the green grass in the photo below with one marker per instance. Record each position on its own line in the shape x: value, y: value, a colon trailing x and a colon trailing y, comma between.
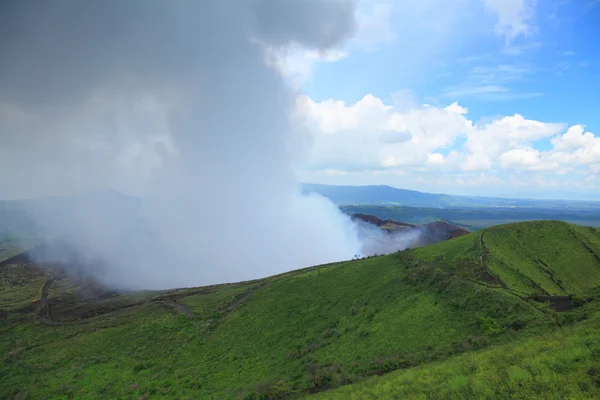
x: 562, y: 364
x: 19, y: 286
x: 536, y: 258
x: 420, y: 311
x: 551, y: 254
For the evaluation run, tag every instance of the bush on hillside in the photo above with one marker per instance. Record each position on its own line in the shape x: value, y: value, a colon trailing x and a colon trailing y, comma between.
x: 490, y: 326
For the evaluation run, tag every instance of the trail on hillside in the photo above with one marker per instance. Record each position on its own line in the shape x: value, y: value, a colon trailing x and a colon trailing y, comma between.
x: 483, y: 260
x: 45, y: 313
x: 175, y: 305
x: 237, y: 302
x: 47, y: 318
x: 588, y: 248
x: 44, y: 304
x: 559, y: 303
x: 172, y: 300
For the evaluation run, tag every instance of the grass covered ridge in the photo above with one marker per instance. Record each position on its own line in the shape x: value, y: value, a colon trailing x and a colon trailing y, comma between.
x: 296, y: 333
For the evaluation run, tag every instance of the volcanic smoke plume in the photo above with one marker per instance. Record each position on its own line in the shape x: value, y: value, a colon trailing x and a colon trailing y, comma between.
x: 171, y: 101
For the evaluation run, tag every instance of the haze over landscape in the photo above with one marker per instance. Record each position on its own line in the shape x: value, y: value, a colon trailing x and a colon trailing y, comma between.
x: 188, y: 115
x: 269, y: 199
x: 171, y: 114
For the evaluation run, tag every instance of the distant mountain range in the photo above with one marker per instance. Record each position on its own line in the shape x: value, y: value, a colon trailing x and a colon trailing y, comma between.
x: 388, y: 195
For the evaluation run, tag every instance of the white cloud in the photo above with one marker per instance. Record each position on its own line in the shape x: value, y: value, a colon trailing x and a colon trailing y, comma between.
x: 488, y: 141
x: 574, y: 138
x: 435, y: 159
x: 578, y: 147
x: 518, y: 158
x: 370, y: 136
x: 514, y: 17
x: 298, y: 64
x: 332, y: 116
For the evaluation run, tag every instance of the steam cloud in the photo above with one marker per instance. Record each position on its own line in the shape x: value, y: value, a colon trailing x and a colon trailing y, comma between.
x: 171, y: 101
x: 375, y: 241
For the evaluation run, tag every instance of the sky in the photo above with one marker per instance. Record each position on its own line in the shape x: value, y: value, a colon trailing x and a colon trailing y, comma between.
x: 472, y: 97
x: 480, y: 97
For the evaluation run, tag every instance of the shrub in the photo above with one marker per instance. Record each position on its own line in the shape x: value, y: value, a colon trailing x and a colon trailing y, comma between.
x: 319, y: 376
x: 270, y: 390
x: 137, y: 367
x: 490, y: 326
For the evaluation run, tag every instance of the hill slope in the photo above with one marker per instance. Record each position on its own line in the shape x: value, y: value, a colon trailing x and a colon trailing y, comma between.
x: 290, y: 334
x: 562, y: 364
x: 543, y: 258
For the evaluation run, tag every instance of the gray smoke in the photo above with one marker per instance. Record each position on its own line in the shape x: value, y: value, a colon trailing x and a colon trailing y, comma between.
x: 376, y: 241
x: 171, y: 101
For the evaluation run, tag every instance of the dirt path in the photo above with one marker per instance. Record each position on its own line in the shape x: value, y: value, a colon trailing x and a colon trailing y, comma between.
x: 46, y: 315
x: 523, y: 296
x: 546, y: 269
x: 172, y: 301
x: 175, y: 305
x: 44, y: 303
x: 587, y: 247
x: 483, y: 260
x: 234, y: 305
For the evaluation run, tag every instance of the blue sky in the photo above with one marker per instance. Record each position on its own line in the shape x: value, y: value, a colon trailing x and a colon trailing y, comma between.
x: 534, y: 65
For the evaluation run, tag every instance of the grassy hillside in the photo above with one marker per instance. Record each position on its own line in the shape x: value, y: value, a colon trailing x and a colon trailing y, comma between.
x: 292, y: 334
x: 545, y: 258
x: 549, y: 258
x: 562, y: 364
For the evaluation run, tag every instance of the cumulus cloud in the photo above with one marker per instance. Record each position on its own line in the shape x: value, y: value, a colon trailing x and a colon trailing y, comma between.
x: 572, y: 150
x: 371, y: 135
x: 523, y: 157
x: 488, y: 141
x: 172, y: 101
x: 577, y: 147
x: 575, y: 138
